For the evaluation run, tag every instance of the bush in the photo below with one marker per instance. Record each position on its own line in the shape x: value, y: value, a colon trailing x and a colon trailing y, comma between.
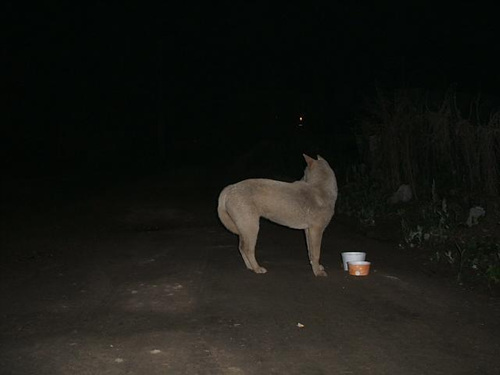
x: 415, y: 140
x: 449, y: 161
x: 473, y: 260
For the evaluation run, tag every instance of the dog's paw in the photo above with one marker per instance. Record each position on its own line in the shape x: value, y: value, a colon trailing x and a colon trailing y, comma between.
x: 320, y: 271
x: 260, y: 270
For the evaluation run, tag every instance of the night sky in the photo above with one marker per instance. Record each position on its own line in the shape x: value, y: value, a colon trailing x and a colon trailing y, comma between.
x: 90, y: 84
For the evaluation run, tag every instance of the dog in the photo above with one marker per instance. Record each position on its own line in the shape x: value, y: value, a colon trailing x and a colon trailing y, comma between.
x: 307, y: 204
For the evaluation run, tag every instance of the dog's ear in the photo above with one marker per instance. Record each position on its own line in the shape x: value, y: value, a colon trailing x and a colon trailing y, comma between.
x: 309, y: 160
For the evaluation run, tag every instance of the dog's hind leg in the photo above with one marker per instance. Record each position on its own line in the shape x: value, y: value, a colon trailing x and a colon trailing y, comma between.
x: 243, y: 254
x: 248, y: 240
x: 314, y: 236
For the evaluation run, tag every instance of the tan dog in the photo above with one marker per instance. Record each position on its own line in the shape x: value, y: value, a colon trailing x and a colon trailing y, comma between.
x: 307, y: 204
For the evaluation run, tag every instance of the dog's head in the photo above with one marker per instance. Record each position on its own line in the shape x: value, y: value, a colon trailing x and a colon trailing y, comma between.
x: 316, y: 169
x: 310, y: 161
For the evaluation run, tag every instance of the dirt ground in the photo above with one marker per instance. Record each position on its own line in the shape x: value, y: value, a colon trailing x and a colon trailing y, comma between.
x: 139, y: 277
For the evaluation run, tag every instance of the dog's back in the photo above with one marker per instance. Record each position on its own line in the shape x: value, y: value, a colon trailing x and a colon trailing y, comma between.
x: 297, y: 205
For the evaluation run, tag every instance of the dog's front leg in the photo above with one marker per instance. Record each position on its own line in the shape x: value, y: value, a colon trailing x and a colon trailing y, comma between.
x: 313, y: 239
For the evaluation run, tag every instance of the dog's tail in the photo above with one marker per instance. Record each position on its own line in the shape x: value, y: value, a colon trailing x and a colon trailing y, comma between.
x: 223, y: 214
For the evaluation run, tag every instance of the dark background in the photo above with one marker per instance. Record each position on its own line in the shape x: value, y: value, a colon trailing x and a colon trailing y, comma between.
x: 120, y: 87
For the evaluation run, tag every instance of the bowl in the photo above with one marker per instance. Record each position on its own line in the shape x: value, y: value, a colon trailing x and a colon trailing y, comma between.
x: 359, y: 268
x: 352, y: 257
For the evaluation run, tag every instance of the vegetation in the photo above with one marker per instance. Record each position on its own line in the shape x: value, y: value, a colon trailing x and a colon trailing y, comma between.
x: 451, y: 163
x: 418, y: 142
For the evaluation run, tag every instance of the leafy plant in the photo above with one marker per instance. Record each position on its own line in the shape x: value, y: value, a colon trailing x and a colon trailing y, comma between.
x: 432, y: 224
x: 473, y: 260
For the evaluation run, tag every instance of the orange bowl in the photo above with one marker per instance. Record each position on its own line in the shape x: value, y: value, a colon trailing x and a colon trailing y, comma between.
x: 360, y: 268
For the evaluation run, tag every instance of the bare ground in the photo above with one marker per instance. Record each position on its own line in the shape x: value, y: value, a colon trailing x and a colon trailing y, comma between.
x: 139, y: 277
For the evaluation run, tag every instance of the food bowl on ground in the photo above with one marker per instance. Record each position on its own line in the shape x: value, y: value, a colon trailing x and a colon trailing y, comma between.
x: 359, y: 268
x: 352, y: 256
